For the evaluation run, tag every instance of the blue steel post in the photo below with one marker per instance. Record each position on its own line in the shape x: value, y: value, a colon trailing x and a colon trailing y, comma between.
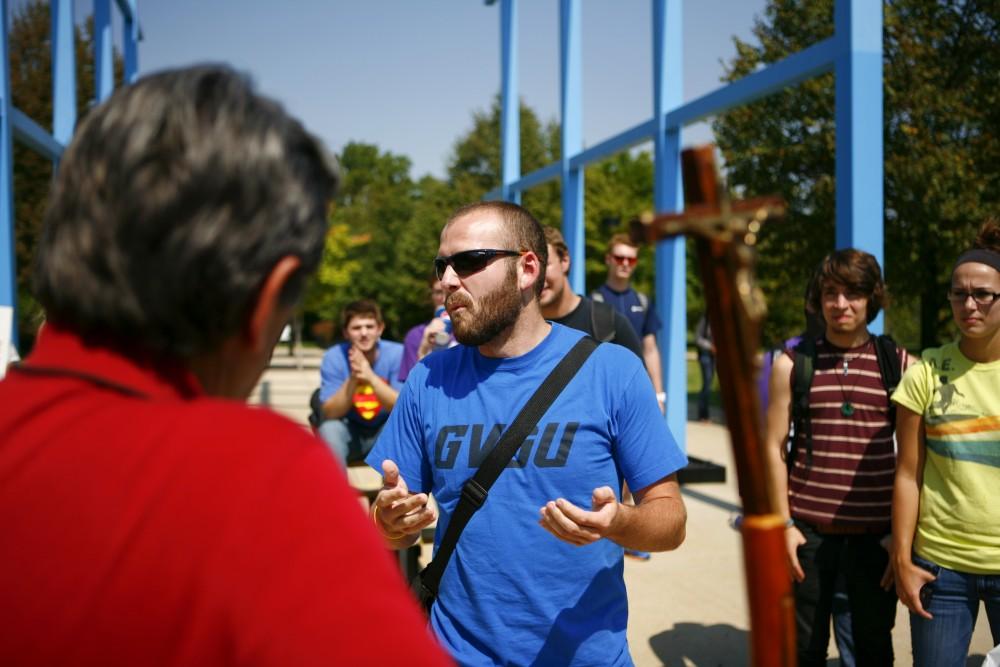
x: 668, y: 196
x: 572, y: 140
x: 8, y: 276
x: 858, y: 117
x: 63, y: 71
x: 104, y: 73
x: 131, y: 31
x: 510, y: 109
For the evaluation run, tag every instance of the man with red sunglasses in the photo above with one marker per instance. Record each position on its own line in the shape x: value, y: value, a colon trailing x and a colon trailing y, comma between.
x: 621, y: 260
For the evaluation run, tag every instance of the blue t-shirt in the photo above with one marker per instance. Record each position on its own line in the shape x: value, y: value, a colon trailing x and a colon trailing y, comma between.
x: 366, y: 410
x: 512, y: 593
x: 642, y: 316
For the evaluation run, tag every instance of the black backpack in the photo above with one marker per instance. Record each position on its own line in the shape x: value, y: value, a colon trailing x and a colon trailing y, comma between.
x: 803, y: 368
x: 602, y: 321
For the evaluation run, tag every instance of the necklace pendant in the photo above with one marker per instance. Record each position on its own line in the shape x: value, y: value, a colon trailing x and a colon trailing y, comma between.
x: 846, y: 409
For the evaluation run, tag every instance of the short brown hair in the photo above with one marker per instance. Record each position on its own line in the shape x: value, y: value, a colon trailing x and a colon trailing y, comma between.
x: 522, y: 230
x: 621, y: 239
x: 360, y: 308
x: 554, y: 238
x: 854, y: 269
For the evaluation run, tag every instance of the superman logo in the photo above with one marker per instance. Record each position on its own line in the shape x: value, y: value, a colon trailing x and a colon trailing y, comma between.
x: 365, y: 402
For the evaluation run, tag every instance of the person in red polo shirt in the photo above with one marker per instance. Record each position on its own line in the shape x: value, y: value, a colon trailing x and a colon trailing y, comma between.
x: 149, y: 517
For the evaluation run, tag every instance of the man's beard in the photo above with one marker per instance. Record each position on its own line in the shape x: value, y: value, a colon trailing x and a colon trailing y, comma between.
x: 496, y: 311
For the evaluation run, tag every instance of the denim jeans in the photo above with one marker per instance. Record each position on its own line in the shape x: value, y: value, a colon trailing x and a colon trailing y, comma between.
x: 706, y: 362
x: 954, y: 603
x: 842, y: 634
x: 861, y: 561
x: 347, y: 441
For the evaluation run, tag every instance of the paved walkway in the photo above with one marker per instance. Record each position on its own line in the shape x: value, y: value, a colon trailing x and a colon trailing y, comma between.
x: 687, y: 607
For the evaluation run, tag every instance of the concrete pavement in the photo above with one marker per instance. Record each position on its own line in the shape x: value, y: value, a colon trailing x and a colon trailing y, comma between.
x: 687, y: 607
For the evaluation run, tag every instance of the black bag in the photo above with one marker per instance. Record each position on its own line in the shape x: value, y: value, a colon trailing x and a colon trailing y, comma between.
x: 425, y: 583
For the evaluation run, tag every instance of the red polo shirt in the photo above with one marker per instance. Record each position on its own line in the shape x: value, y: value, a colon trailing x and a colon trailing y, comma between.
x: 143, y: 523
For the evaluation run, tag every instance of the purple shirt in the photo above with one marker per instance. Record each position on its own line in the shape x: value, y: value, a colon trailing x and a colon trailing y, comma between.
x: 411, y: 347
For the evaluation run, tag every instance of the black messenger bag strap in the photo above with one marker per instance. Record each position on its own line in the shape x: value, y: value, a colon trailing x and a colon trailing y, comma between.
x: 476, y: 488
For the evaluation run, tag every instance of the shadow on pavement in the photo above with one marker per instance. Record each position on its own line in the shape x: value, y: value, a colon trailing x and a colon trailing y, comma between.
x: 719, y: 645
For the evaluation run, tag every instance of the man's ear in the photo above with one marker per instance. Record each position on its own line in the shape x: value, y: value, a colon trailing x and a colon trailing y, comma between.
x: 267, y: 314
x: 531, y: 268
x: 564, y: 264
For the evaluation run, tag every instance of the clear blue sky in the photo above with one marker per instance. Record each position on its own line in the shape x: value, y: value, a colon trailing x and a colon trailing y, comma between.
x: 407, y: 75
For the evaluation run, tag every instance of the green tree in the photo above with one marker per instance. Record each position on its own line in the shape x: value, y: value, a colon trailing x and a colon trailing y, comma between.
x: 942, y: 76
x: 371, y: 212
x: 474, y: 167
x: 31, y: 92
x: 616, y: 190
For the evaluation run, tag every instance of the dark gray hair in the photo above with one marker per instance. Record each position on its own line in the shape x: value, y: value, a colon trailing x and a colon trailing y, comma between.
x: 172, y: 204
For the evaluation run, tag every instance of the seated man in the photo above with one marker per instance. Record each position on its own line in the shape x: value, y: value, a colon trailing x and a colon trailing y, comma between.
x: 360, y: 382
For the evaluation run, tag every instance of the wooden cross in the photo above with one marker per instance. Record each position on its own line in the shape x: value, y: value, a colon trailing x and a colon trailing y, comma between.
x: 725, y: 233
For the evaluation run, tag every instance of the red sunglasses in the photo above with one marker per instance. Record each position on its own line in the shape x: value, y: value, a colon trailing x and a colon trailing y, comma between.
x: 625, y: 261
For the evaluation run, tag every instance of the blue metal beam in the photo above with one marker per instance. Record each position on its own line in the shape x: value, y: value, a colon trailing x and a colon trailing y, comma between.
x: 131, y: 41
x: 8, y: 275
x: 668, y: 196
x: 132, y: 35
x: 528, y: 181
x: 572, y: 139
x: 792, y: 70
x: 805, y: 64
x: 620, y: 142
x: 858, y: 117
x: 63, y: 74
x: 510, y: 109
x: 104, y: 72
x: 127, y: 8
x: 31, y: 134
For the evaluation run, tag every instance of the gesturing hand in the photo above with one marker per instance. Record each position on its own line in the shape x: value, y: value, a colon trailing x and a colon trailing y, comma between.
x: 396, y: 511
x: 577, y: 526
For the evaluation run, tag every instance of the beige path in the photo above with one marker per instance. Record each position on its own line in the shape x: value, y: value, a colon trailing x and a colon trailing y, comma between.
x: 687, y: 607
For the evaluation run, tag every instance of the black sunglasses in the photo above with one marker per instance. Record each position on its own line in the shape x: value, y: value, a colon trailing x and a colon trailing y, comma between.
x: 468, y: 262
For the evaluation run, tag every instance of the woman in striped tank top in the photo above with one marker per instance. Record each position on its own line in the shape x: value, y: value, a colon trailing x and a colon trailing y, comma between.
x: 946, y: 507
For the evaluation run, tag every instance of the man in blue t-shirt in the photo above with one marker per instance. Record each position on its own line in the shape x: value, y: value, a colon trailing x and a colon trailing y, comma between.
x: 360, y: 382
x: 621, y: 260
x: 536, y: 577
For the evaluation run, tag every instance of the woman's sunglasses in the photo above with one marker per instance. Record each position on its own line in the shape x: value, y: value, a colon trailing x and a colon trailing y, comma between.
x: 468, y: 262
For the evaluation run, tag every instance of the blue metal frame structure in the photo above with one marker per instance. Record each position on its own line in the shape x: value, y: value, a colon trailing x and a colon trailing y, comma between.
x: 853, y: 54
x: 15, y: 125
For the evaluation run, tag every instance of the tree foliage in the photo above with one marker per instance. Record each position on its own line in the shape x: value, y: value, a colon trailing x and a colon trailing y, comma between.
x: 942, y: 76
x: 386, y: 227
x: 31, y: 92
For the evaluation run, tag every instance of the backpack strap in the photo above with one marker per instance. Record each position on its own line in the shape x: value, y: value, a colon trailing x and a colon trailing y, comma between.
x: 597, y: 296
x: 476, y: 489
x: 890, y: 367
x: 643, y: 301
x: 803, y: 368
x: 602, y: 321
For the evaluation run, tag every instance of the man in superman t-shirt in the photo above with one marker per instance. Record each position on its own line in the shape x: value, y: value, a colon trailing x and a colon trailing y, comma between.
x: 360, y: 382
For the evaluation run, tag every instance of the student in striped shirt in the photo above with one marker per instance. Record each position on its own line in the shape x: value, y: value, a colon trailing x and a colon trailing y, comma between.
x: 946, y: 514
x: 836, y: 487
